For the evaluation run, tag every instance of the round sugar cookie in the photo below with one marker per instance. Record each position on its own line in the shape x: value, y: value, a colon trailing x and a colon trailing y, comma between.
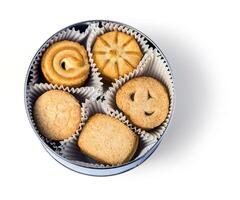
x: 57, y: 114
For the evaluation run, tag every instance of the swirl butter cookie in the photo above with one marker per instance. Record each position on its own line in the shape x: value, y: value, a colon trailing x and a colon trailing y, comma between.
x: 57, y: 114
x: 65, y: 63
x: 116, y: 54
x: 107, y: 140
x: 145, y: 101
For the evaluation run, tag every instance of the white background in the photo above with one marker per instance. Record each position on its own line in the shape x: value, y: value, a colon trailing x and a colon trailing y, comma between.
x: 199, y: 156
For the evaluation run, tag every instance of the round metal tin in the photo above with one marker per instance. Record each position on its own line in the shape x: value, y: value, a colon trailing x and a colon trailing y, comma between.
x: 91, y: 170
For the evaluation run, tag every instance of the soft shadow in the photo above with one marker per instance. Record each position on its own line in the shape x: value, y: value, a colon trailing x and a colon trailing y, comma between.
x: 192, y: 105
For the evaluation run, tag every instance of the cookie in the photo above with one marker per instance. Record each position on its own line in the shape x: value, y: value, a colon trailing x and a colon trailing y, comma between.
x: 57, y: 114
x: 145, y: 101
x: 65, y: 63
x: 107, y: 140
x: 116, y: 54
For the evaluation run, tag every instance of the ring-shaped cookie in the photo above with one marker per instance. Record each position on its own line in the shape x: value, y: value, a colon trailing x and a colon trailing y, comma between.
x: 65, y: 63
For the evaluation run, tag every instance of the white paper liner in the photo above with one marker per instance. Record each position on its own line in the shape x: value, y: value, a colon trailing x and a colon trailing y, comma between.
x: 109, y: 26
x: 155, y: 67
x: 81, y: 94
x: 71, y: 151
x: 94, y: 80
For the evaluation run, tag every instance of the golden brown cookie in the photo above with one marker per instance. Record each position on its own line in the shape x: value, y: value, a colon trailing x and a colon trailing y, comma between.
x: 107, y: 140
x: 115, y: 54
x: 65, y: 63
x: 57, y: 114
x: 145, y: 101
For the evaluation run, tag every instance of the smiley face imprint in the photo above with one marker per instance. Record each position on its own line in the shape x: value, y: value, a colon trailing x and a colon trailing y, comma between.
x: 145, y: 101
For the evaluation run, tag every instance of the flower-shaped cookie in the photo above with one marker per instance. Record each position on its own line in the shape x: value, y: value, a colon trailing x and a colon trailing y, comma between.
x: 116, y: 54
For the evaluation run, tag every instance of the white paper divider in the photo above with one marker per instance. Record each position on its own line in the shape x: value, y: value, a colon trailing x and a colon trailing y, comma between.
x: 94, y: 80
x: 81, y: 94
x: 155, y: 67
x: 109, y: 26
x: 71, y: 151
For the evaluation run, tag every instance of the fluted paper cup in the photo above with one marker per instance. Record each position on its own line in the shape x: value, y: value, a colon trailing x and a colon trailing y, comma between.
x: 71, y: 151
x: 155, y: 67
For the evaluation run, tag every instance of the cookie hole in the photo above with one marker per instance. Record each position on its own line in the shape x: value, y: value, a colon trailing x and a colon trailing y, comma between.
x: 148, y: 113
x: 132, y: 96
x: 63, y: 65
x: 149, y: 95
x: 113, y: 52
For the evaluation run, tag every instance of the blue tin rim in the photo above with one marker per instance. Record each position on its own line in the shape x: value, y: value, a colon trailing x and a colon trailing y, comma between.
x: 139, y: 160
